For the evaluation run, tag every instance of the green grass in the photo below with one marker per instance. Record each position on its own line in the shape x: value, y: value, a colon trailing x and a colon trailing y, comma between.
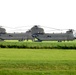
x: 37, y: 62
x: 19, y: 72
x: 37, y: 54
x: 39, y: 45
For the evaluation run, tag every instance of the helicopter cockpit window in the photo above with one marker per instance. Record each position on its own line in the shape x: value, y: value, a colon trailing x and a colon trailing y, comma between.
x: 48, y: 36
x: 10, y: 35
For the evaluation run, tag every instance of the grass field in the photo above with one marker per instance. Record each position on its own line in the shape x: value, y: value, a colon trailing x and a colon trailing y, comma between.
x: 39, y: 45
x: 37, y: 61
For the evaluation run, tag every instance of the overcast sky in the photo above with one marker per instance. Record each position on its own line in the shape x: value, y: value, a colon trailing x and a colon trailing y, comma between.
x: 60, y: 14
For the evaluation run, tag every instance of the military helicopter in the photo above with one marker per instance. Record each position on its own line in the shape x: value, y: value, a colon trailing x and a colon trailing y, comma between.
x: 37, y: 34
